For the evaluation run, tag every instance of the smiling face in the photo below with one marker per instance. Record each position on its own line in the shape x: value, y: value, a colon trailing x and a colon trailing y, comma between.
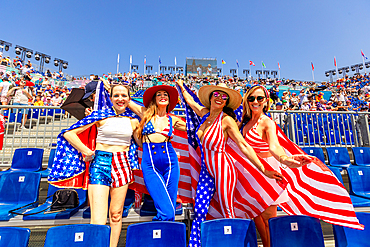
x: 257, y: 101
x: 162, y: 99
x: 120, y: 98
x: 218, y: 99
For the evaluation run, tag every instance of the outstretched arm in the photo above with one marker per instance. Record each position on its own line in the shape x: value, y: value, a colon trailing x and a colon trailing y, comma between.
x: 179, y: 124
x: 199, y: 110
x: 247, y: 150
x: 277, y: 150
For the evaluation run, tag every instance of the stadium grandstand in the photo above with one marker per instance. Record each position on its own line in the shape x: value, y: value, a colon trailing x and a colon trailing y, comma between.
x: 329, y: 120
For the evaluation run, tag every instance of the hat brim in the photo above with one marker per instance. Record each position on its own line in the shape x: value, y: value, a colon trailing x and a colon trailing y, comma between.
x: 172, y: 92
x: 235, y: 98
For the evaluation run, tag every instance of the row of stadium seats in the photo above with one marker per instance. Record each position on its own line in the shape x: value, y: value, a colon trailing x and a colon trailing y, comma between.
x: 339, y: 156
x: 32, y: 113
x: 296, y: 230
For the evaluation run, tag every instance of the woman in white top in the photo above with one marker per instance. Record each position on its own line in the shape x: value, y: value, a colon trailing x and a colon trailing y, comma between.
x: 109, y: 169
x: 21, y: 97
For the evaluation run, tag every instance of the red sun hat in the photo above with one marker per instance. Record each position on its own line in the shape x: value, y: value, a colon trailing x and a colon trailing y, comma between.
x: 172, y: 92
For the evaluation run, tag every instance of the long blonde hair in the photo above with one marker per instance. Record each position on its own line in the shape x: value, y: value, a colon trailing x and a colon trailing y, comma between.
x: 150, y: 112
x: 247, y: 112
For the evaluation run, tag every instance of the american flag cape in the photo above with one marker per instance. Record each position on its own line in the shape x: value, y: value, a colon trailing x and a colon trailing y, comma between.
x: 254, y: 191
x: 315, y: 191
x: 69, y: 169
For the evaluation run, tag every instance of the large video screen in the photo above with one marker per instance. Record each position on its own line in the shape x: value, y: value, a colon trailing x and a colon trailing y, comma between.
x: 201, y: 67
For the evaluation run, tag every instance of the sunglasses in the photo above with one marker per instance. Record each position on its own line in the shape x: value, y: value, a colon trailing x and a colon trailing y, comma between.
x: 253, y: 98
x: 223, y: 96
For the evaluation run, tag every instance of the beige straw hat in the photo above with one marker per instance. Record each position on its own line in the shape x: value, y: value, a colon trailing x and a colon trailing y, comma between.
x: 235, y: 99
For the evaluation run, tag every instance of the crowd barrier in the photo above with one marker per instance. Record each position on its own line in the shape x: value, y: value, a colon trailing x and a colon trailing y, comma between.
x: 305, y: 128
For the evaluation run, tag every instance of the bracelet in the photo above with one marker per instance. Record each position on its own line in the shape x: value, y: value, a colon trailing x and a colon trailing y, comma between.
x: 282, y: 156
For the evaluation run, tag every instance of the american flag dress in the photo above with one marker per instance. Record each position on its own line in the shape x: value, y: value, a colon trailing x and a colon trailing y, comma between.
x: 217, y: 174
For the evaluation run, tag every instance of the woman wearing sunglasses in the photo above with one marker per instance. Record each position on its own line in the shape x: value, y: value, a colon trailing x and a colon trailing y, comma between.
x: 260, y: 133
x: 218, y: 172
x: 159, y: 164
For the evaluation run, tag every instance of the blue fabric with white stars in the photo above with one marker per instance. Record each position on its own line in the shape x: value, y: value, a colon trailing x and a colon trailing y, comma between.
x: 68, y: 162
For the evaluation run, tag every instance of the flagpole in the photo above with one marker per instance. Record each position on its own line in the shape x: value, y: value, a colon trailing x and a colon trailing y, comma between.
x: 363, y: 63
x: 313, y: 76
x: 118, y: 64
x: 175, y: 65
x: 250, y: 71
x: 159, y: 65
x: 222, y: 72
x: 130, y: 63
x: 144, y: 65
x: 336, y: 68
x: 262, y: 70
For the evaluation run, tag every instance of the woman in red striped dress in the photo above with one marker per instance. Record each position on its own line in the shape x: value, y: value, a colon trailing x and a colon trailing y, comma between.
x: 260, y: 133
x: 217, y: 125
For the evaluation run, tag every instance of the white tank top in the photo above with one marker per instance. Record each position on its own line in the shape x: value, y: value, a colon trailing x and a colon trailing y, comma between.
x: 116, y: 131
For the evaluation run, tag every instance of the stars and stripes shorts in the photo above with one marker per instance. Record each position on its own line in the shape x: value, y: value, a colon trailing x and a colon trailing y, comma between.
x: 110, y: 169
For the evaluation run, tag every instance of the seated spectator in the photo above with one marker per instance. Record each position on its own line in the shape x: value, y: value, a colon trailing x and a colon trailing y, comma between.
x: 285, y: 105
x: 4, y: 88
x: 4, y: 61
x: 305, y: 106
x: 321, y: 105
x: 340, y: 106
x: 38, y: 101
x: 56, y: 100
x: 48, y: 101
x: 329, y: 106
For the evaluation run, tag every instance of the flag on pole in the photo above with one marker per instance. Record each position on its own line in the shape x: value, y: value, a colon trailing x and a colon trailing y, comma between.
x: 130, y: 59
x: 251, y: 63
x: 145, y: 60
x: 223, y: 62
x: 160, y: 62
x: 175, y: 61
x: 279, y: 65
x: 263, y: 65
x: 335, y: 62
x: 363, y: 55
x: 313, y: 68
x: 118, y: 59
x: 237, y: 63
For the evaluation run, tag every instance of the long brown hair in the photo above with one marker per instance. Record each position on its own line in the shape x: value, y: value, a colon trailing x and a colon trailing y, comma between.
x: 247, y: 113
x: 150, y: 112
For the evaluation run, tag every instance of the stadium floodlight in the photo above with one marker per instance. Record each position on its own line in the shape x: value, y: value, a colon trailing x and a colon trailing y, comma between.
x: 333, y: 72
x: 134, y: 67
x: 353, y: 67
x: 347, y: 69
x: 367, y: 64
x: 171, y: 68
x: 43, y: 58
x: 61, y: 63
x: 56, y: 62
x: 65, y: 65
x: 4, y: 45
x: 360, y: 66
x: 233, y: 72
x: 20, y: 50
x: 179, y: 69
x: 327, y: 73
x: 340, y: 71
x: 246, y: 72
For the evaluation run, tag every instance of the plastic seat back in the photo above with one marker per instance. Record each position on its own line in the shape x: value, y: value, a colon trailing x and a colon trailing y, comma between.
x: 362, y: 156
x: 359, y: 180
x: 337, y: 173
x: 297, y: 230
x: 228, y: 232
x: 27, y: 159
x: 51, y: 157
x: 338, y: 156
x: 19, y: 187
x: 156, y: 233
x: 345, y: 236
x: 78, y: 235
x: 14, y: 236
x: 315, y: 151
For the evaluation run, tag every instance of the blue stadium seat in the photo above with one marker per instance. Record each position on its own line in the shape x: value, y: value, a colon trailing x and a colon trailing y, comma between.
x: 45, y: 173
x: 333, y: 137
x: 129, y: 201
x: 228, y: 232
x: 361, y: 155
x: 338, y: 156
x: 300, y: 137
x: 17, y: 189
x: 156, y: 233
x: 148, y: 207
x: 297, y: 230
x: 356, y: 200
x: 14, y: 236
x: 82, y: 198
x: 26, y: 159
x: 78, y: 235
x: 359, y: 181
x: 315, y: 151
x: 14, y: 117
x: 348, y: 237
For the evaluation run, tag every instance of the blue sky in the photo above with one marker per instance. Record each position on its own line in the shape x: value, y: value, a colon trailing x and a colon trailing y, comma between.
x: 90, y: 34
